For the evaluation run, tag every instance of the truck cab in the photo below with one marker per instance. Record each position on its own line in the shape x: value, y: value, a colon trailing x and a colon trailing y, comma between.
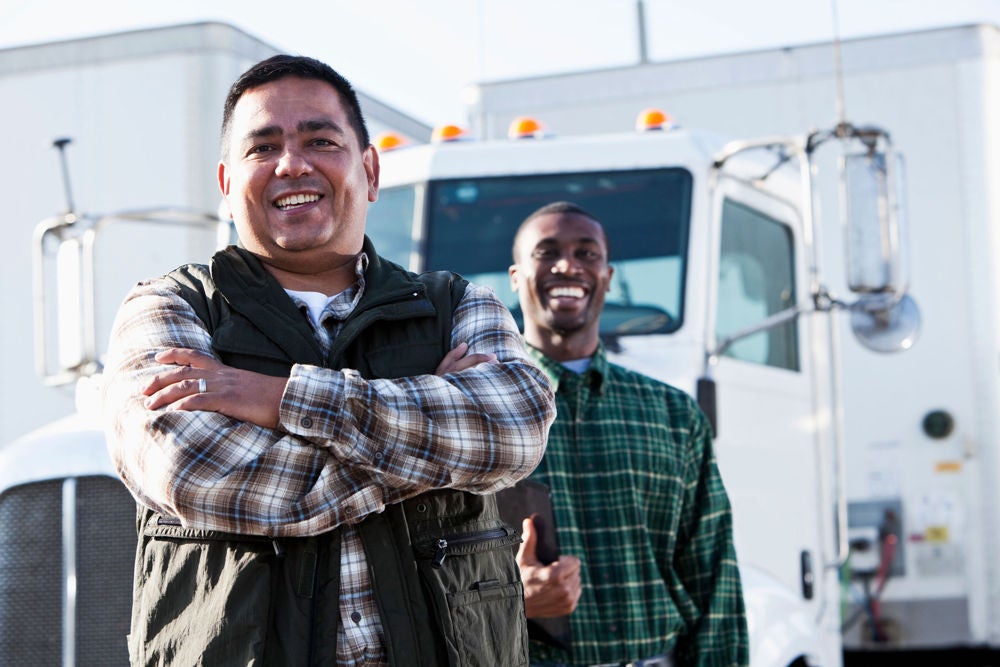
x: 714, y: 270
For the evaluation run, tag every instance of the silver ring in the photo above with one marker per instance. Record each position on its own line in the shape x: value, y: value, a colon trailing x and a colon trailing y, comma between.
x: 202, y: 386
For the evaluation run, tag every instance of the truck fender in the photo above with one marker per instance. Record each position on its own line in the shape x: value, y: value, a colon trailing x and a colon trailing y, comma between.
x: 783, y: 631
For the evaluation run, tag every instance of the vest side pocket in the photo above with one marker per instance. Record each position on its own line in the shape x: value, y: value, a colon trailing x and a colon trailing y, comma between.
x: 200, y: 600
x: 475, y: 584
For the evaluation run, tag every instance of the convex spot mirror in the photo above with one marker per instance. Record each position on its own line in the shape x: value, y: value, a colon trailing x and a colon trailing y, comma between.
x: 885, y: 324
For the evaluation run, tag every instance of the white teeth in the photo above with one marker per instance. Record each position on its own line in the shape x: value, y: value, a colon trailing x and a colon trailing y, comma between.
x: 575, y: 292
x: 295, y: 200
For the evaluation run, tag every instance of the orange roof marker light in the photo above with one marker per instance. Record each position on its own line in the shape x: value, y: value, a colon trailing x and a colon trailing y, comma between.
x: 388, y: 141
x: 525, y: 127
x: 654, y: 119
x: 445, y: 133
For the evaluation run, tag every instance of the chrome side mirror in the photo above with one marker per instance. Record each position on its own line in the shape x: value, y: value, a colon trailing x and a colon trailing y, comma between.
x: 884, y: 318
x: 874, y: 220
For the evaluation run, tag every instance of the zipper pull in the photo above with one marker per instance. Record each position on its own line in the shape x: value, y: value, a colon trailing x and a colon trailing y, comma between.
x: 439, y: 555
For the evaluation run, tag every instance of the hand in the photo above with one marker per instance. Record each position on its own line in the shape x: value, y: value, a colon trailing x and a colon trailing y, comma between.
x: 549, y: 590
x: 456, y: 360
x: 243, y: 395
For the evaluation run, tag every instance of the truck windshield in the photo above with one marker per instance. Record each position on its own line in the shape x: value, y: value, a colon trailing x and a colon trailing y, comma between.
x: 646, y: 213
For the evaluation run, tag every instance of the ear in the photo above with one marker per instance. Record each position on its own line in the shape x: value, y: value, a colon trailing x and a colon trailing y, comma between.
x: 611, y: 273
x: 370, y: 159
x: 224, y: 179
x: 515, y: 277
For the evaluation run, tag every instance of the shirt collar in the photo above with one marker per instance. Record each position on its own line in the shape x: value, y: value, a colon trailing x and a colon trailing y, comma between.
x: 555, y: 371
x: 339, y: 306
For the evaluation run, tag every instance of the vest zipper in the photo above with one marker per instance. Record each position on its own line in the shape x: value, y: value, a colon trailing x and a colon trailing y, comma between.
x: 446, y: 542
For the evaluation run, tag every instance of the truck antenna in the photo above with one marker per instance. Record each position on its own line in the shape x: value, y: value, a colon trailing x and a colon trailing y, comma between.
x: 60, y: 143
x: 640, y: 12
x: 838, y: 67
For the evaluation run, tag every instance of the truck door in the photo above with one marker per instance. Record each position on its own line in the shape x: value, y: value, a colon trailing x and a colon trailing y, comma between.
x: 768, y: 418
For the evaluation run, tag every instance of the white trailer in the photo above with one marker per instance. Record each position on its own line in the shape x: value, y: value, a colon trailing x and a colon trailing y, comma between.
x: 921, y: 429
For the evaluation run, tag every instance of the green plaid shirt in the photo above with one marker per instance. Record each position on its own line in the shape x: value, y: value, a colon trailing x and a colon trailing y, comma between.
x: 639, y: 500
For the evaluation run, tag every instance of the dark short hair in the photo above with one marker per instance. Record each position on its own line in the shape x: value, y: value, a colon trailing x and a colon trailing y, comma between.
x: 556, y: 208
x: 280, y: 66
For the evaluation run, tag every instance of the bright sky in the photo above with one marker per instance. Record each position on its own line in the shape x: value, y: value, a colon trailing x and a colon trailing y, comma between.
x: 418, y: 55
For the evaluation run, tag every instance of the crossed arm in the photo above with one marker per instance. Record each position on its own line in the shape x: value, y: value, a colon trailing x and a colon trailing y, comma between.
x: 245, y: 395
x: 298, y: 456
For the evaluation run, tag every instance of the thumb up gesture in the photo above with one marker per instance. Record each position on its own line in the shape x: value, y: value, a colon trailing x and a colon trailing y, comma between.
x: 549, y: 590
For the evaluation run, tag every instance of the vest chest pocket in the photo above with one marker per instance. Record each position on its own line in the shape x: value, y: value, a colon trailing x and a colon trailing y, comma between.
x: 474, y: 583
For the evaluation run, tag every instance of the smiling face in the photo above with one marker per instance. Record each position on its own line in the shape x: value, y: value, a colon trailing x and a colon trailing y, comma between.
x: 296, y: 180
x: 561, y: 275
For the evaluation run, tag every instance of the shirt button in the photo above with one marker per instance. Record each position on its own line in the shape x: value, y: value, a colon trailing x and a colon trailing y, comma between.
x: 306, y: 422
x: 379, y: 456
x: 356, y: 617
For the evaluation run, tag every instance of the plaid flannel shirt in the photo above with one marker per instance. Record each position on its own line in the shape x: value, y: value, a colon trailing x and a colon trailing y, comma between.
x: 345, y: 446
x: 638, y: 498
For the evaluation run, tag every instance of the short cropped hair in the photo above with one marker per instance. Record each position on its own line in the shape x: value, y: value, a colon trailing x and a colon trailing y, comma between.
x: 555, y: 208
x: 280, y: 66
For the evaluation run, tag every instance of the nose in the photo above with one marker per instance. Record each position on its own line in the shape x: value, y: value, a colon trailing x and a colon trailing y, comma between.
x: 565, y: 265
x: 292, y: 164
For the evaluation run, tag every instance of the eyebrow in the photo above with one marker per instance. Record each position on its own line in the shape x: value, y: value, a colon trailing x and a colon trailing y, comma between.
x: 550, y: 240
x: 311, y: 125
x: 319, y: 124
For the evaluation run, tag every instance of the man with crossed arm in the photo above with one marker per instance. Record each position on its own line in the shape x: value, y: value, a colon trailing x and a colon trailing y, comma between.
x: 312, y: 432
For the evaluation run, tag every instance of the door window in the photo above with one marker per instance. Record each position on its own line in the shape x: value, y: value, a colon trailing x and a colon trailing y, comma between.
x: 756, y: 280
